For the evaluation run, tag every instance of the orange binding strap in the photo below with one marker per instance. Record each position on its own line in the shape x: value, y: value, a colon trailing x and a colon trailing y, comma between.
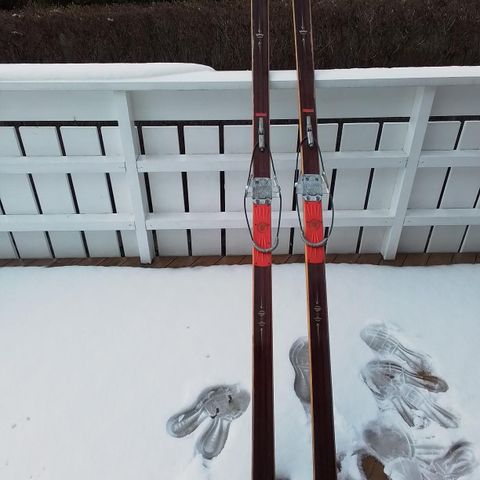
x: 262, y: 234
x: 314, y: 231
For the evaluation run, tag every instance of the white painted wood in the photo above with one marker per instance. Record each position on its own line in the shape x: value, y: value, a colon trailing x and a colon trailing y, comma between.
x: 351, y: 185
x: 403, y: 188
x: 457, y: 100
x: 55, y: 198
x: 18, y: 198
x: 53, y: 189
x: 68, y: 164
x: 81, y: 141
x: 201, y: 139
x: 339, y: 102
x: 190, y: 104
x: 383, y: 93
x: 135, y: 182
x: 238, y: 242
x: 426, y: 192
x: 123, y: 203
x: 284, y: 241
x: 445, y: 239
x: 32, y: 244
x: 350, y: 189
x: 462, y: 187
x: 36, y: 105
x: 359, y: 137
x: 112, y: 143
x: 236, y: 220
x: 91, y: 189
x: 383, y: 185
x: 470, y: 137
x: 428, y: 184
x: 238, y: 138
x: 443, y: 216
x: 160, y: 139
x: 7, y: 249
x: 327, y: 138
x: 283, y: 139
x: 203, y: 187
x: 343, y: 240
x: 372, y: 239
x: 172, y: 242
x: 234, y: 162
x: 206, y: 242
x: 460, y: 191
x: 40, y: 141
x: 441, y: 135
x: 66, y: 222
x: 413, y: 239
x: 93, y: 197
x: 472, y: 240
x: 298, y: 244
x: 166, y: 188
x: 9, y: 143
x: 393, y: 136
x: 457, y: 158
x: 427, y: 188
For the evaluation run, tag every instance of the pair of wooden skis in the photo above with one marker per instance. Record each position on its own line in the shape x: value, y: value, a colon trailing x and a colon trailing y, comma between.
x: 263, y: 188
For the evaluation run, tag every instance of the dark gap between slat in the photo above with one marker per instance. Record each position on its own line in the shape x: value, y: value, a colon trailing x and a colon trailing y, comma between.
x: 439, y: 202
x: 181, y: 144
x: 110, y: 191
x: 338, y: 143
x: 369, y: 185
x: 148, y: 191
x: 221, y: 149
x: 475, y: 204
x: 72, y: 190
x: 10, y: 234
x: 280, y: 121
x: 34, y: 191
x: 59, y: 123
x: 442, y: 191
x: 296, y: 174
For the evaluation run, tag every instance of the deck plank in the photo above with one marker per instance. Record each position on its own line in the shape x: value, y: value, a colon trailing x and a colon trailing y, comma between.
x: 402, y: 259
x: 416, y: 260
x: 464, y: 258
x: 440, y: 259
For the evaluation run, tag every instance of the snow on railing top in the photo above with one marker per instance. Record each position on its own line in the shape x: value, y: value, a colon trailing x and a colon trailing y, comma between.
x: 175, y: 76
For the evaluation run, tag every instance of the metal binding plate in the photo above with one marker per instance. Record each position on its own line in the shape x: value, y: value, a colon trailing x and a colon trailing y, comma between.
x: 310, y: 187
x: 262, y: 190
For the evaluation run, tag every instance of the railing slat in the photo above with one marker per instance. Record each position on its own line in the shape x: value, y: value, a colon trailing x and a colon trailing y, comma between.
x: 135, y: 181
x: 403, y: 189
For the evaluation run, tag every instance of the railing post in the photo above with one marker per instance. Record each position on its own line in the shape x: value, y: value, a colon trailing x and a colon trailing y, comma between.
x: 135, y: 182
x: 417, y: 127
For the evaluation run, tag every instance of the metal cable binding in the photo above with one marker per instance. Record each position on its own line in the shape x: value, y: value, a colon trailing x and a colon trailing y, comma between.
x: 262, y: 191
x: 310, y: 187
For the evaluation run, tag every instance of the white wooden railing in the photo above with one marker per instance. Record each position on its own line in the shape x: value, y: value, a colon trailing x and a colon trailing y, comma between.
x: 145, y: 160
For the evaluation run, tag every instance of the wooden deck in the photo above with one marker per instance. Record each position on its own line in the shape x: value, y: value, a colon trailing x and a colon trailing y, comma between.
x: 402, y: 260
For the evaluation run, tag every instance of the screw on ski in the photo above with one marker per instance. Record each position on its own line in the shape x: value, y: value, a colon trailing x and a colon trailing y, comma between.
x: 262, y: 187
x: 311, y: 188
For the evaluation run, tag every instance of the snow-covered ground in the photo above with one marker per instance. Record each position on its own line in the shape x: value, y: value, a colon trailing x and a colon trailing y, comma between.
x: 94, y: 361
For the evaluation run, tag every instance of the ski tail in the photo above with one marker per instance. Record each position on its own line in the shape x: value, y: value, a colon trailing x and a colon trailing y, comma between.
x: 261, y: 188
x: 312, y: 188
